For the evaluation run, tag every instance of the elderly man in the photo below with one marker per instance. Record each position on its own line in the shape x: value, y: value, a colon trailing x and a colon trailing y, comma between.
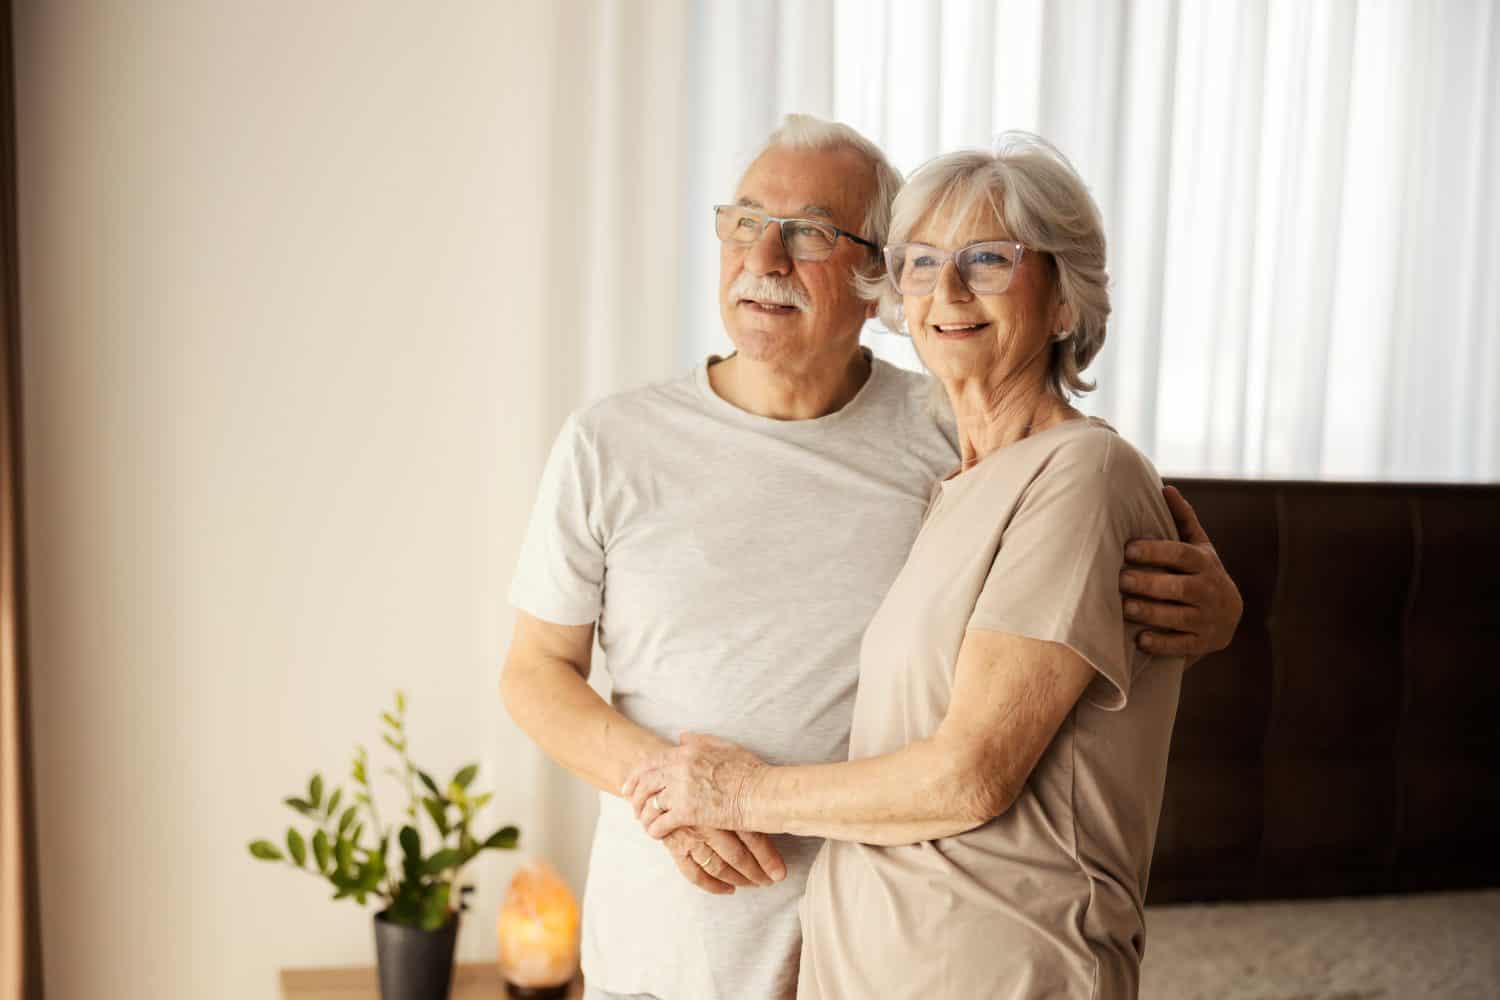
x: 729, y: 534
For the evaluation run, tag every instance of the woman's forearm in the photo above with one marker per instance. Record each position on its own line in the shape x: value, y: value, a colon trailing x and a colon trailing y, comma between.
x: 921, y: 792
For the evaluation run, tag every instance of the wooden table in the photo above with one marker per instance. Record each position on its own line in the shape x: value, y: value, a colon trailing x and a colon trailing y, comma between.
x: 471, y: 981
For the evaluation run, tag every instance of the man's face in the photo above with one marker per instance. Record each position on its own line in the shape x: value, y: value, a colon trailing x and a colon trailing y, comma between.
x: 831, y: 186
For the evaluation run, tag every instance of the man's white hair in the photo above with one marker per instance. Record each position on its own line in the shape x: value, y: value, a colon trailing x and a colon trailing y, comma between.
x: 1044, y: 205
x: 813, y: 133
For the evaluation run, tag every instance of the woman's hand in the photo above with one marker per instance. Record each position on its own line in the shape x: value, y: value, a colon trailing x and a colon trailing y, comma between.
x: 704, y: 782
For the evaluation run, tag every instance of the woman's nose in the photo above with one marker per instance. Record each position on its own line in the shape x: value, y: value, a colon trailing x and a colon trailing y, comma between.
x: 950, y: 284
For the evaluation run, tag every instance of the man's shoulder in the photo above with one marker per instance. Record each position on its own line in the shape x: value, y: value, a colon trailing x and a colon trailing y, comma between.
x: 904, y: 380
x: 637, y: 407
x: 917, y: 400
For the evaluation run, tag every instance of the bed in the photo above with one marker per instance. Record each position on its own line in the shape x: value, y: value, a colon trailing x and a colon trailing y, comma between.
x: 1331, y: 819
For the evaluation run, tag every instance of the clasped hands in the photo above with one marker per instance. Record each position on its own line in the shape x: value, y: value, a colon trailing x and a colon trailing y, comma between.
x: 693, y: 798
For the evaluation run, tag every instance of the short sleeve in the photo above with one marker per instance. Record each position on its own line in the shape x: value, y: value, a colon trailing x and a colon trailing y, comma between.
x: 1056, y: 574
x: 560, y: 574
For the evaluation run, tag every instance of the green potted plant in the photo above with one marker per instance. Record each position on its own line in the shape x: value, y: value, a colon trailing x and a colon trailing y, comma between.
x: 420, y: 895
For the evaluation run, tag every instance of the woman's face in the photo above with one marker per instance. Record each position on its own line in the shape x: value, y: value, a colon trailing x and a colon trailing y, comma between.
x: 999, y: 339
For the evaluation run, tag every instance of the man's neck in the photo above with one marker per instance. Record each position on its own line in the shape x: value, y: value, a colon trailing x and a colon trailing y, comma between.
x: 782, y: 393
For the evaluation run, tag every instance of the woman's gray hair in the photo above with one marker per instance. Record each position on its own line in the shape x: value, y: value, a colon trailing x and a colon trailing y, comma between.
x: 813, y: 133
x: 1044, y: 205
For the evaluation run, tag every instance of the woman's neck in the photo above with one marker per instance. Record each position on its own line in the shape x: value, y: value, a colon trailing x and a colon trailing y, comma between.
x: 990, y: 417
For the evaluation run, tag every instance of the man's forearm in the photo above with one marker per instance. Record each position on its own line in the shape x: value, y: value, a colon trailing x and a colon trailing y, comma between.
x: 555, y: 706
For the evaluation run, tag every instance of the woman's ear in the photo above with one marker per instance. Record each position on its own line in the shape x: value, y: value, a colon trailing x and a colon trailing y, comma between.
x: 1065, y: 319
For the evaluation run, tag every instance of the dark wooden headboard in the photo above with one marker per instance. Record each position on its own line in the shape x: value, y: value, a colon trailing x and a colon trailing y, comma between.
x: 1348, y: 741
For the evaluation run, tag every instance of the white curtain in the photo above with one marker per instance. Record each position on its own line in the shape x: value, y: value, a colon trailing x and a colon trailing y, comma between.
x: 1300, y: 199
x: 608, y: 261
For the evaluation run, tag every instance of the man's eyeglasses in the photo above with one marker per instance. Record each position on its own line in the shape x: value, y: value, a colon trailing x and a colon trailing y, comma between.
x: 985, y: 268
x: 804, y: 239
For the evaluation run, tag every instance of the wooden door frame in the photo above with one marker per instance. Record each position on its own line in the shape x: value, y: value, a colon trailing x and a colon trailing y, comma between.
x: 12, y: 536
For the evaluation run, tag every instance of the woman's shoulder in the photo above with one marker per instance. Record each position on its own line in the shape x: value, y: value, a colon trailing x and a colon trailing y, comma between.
x: 1087, y: 456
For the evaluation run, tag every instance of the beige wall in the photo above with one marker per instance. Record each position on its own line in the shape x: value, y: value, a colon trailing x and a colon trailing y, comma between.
x: 285, y: 404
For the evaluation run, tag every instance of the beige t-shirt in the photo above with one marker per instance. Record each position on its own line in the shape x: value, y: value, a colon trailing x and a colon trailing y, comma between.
x: 1046, y: 899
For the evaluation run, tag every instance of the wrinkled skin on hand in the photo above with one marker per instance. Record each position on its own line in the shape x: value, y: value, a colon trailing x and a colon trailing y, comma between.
x: 704, y: 782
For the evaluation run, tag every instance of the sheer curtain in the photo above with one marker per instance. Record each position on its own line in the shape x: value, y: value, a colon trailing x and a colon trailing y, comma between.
x: 607, y: 258
x: 1300, y: 199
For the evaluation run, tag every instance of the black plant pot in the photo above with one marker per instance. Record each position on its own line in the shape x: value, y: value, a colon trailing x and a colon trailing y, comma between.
x: 414, y: 964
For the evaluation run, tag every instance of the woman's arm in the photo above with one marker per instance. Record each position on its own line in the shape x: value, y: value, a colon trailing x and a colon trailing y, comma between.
x: 1010, y: 696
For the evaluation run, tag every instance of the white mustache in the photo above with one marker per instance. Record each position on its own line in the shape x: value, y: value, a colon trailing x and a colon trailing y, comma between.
x: 769, y: 288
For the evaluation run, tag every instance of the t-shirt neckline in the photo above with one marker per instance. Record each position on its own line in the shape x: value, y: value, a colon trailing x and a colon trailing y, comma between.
x: 723, y: 407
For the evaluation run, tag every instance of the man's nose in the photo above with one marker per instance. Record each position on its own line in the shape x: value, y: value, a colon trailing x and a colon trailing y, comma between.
x: 768, y: 254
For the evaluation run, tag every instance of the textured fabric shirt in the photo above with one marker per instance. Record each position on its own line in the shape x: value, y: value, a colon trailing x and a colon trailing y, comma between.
x: 1045, y: 900
x: 731, y: 563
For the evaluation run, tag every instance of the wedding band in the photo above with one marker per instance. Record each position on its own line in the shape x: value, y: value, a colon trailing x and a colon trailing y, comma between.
x: 655, y: 803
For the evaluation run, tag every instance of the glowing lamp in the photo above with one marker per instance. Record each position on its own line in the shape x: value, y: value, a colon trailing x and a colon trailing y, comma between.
x: 538, y: 934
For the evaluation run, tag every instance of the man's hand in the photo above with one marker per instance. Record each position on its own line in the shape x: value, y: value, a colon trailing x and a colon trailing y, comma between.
x: 719, y: 861
x: 1180, y: 589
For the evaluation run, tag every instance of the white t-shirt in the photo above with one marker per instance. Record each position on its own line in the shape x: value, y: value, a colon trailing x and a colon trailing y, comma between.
x: 732, y: 563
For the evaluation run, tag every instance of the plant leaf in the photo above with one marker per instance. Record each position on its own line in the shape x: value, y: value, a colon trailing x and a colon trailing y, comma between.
x: 431, y: 785
x: 347, y: 819
x: 478, y: 802
x: 442, y: 861
x: 315, y: 790
x: 343, y: 852
x: 301, y: 805
x: 438, y: 811
x: 401, y: 702
x: 322, y: 853
x: 391, y: 720
x: 465, y: 775
x: 504, y: 838
x: 397, y: 745
x: 370, y: 874
x: 435, y: 908
x: 297, y: 847
x: 266, y: 851
x: 411, y: 842
x: 333, y: 803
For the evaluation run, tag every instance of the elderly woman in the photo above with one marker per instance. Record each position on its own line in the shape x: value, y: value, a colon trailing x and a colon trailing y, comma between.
x: 992, y: 831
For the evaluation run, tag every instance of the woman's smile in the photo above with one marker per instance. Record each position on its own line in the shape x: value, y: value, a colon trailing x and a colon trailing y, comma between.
x: 958, y: 331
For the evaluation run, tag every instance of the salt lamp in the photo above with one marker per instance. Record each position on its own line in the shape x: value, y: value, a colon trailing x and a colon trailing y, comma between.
x: 538, y: 933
